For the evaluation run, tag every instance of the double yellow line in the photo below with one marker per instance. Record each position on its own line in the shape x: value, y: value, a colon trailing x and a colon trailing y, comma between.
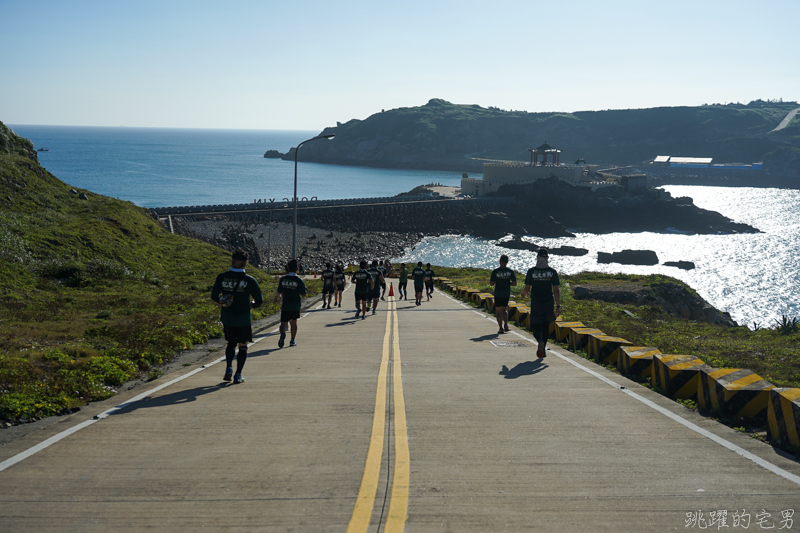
x: 398, y: 506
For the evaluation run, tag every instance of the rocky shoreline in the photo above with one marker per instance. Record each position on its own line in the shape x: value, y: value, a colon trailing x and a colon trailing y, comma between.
x: 270, y: 245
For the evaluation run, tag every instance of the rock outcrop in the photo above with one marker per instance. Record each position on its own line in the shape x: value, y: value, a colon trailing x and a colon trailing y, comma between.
x: 629, y: 257
x: 673, y: 298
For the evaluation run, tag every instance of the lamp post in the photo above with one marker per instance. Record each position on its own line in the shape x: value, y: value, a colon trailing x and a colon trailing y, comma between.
x: 294, y: 224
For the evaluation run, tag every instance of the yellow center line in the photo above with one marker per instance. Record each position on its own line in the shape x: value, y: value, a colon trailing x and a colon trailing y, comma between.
x: 362, y: 512
x: 398, y: 507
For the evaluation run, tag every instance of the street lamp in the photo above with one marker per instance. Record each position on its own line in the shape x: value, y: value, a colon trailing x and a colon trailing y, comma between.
x: 294, y: 225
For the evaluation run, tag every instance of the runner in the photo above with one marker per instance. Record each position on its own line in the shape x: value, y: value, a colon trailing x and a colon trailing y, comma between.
x: 504, y: 278
x: 377, y: 278
x: 543, y: 283
x: 419, y: 280
x: 384, y: 275
x: 340, y: 282
x: 402, y: 284
x: 233, y: 291
x: 363, y: 284
x: 290, y: 290
x: 429, y: 274
x: 328, y: 285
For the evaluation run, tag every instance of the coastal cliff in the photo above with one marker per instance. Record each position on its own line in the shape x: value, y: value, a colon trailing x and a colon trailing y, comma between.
x: 442, y: 135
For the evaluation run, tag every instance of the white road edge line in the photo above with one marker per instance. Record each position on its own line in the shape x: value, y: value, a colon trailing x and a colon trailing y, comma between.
x: 775, y: 469
x: 67, y: 432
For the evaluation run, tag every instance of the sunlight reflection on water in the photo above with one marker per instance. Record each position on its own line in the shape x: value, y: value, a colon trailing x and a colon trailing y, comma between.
x: 755, y: 277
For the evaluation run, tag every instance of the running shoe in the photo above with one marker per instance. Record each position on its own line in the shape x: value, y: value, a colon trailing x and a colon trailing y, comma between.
x: 292, y: 343
x: 540, y: 353
x: 228, y: 374
x: 238, y: 379
x: 323, y: 305
x: 282, y: 340
x: 382, y: 298
x: 358, y: 313
x: 500, y: 331
x: 505, y: 328
x: 374, y: 312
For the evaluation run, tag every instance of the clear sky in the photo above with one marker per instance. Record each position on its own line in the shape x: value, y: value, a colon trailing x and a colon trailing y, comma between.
x: 306, y: 65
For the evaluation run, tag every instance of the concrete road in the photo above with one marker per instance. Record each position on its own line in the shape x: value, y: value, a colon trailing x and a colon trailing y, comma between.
x: 413, y: 419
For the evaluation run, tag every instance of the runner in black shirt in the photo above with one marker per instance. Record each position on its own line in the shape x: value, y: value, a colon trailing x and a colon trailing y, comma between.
x: 340, y: 281
x: 328, y: 285
x: 429, y: 280
x: 419, y: 280
x: 363, y: 284
x: 377, y: 277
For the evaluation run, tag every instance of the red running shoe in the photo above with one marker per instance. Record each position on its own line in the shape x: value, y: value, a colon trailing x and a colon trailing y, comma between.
x: 540, y: 354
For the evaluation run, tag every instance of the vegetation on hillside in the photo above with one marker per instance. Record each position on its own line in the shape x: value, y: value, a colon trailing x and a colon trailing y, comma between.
x: 93, y: 290
x: 771, y: 351
x: 409, y: 136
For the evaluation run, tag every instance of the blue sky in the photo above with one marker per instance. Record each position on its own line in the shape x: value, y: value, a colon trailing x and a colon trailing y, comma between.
x: 306, y: 65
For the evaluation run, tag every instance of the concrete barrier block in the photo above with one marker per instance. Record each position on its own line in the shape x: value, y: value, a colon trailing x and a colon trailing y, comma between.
x: 523, y: 317
x: 637, y: 360
x: 783, y: 415
x: 735, y: 392
x: 561, y: 329
x: 513, y: 310
x: 578, y: 338
x: 605, y: 348
x: 482, y: 297
x: 678, y: 375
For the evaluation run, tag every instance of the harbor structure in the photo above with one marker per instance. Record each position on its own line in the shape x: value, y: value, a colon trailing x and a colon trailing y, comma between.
x: 499, y: 173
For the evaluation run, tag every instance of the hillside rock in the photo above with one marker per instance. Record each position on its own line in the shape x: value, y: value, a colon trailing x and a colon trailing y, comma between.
x: 629, y: 257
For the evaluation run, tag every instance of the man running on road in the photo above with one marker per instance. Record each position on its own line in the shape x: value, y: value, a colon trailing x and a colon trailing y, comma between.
x: 233, y: 291
x: 402, y: 284
x: 419, y: 280
x: 502, y: 278
x: 340, y: 282
x: 363, y: 284
x: 328, y: 285
x: 429, y: 274
x: 542, y: 281
x: 290, y: 291
x: 377, y: 277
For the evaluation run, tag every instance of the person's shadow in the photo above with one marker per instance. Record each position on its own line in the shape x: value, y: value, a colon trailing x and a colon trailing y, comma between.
x: 491, y: 336
x: 528, y: 368
x: 174, y: 398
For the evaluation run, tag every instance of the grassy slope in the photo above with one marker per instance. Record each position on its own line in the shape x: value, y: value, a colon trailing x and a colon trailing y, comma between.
x: 732, y: 132
x: 773, y: 355
x: 93, y: 292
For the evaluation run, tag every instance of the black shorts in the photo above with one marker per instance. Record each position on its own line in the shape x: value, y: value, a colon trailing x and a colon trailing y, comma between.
x: 375, y: 293
x: 340, y: 287
x: 240, y: 334
x: 417, y: 287
x: 327, y: 290
x: 542, y: 313
x: 429, y: 285
x: 286, y: 316
x: 501, y: 302
x: 362, y: 296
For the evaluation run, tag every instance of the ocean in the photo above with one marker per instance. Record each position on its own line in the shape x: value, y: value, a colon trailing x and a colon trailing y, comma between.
x: 755, y: 277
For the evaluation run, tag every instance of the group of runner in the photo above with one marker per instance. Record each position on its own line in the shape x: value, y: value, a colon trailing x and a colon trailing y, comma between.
x: 237, y: 293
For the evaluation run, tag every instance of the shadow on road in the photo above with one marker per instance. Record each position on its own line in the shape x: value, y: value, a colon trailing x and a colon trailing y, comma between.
x: 490, y: 337
x: 184, y: 396
x: 528, y: 368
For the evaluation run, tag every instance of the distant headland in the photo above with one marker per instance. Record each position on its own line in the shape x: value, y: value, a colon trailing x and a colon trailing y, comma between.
x: 444, y: 136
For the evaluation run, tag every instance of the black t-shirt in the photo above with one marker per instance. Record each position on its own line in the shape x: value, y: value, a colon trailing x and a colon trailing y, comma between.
x: 361, y: 278
x: 429, y: 275
x: 419, y: 275
x: 328, y: 278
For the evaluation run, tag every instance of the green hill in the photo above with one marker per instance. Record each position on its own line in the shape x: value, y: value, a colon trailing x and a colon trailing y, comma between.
x: 416, y: 137
x: 94, y: 290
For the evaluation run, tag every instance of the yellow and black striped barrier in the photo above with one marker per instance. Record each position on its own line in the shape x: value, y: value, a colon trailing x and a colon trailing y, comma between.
x: 605, y: 348
x: 578, y: 337
x: 562, y: 329
x: 735, y: 392
x: 637, y: 360
x: 677, y: 375
x: 783, y: 415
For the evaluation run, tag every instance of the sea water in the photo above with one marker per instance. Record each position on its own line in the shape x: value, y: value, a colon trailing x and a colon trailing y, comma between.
x: 159, y: 167
x: 755, y: 277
